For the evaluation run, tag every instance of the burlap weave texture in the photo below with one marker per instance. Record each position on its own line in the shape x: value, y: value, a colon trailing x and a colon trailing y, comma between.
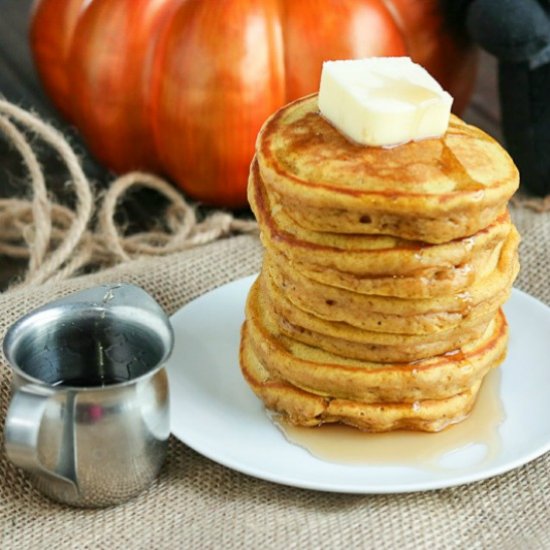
x: 196, y: 503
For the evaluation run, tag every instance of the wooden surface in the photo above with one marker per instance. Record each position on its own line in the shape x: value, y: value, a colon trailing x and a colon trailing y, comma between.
x: 19, y: 83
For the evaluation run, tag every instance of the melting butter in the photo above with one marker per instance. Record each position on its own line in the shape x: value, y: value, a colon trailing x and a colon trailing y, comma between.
x: 383, y: 101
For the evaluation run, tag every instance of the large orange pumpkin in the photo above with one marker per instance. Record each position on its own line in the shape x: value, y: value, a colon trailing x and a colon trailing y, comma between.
x: 181, y: 87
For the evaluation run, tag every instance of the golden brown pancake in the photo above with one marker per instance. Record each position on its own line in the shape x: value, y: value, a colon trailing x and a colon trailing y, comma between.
x: 304, y: 408
x: 434, y: 190
x: 377, y: 264
x: 323, y: 373
x: 348, y: 341
x: 397, y: 315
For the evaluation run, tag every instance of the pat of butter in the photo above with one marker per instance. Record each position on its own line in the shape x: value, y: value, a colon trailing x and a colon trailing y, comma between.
x: 383, y: 101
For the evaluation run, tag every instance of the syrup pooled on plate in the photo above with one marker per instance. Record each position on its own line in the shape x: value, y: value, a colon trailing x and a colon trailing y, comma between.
x: 346, y: 445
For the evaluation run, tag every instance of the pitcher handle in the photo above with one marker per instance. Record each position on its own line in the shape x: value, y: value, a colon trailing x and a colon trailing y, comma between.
x: 22, y: 427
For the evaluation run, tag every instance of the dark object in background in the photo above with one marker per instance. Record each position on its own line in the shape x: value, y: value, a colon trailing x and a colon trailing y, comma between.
x: 517, y: 33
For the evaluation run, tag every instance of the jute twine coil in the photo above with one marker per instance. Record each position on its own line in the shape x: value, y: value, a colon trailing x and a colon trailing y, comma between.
x: 59, y: 242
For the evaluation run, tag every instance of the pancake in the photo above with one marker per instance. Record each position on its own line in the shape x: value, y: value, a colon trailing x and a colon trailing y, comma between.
x: 434, y: 190
x: 355, y: 343
x: 326, y: 374
x: 377, y: 264
x: 304, y: 408
x: 424, y: 283
x: 397, y: 315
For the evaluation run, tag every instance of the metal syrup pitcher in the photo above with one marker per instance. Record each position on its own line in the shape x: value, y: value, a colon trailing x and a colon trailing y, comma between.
x: 89, y: 415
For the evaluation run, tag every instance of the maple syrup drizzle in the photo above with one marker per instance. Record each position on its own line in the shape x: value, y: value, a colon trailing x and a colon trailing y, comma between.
x: 434, y: 451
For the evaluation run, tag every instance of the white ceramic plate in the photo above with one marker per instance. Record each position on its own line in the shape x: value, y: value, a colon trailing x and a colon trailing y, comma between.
x: 216, y: 414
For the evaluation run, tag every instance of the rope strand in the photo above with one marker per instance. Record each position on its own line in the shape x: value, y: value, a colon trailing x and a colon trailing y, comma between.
x: 59, y: 242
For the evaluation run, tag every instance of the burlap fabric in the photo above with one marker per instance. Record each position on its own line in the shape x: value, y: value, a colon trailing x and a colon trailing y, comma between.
x: 195, y: 503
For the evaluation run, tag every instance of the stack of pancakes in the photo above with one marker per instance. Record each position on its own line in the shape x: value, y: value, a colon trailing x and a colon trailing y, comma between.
x: 379, y: 301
